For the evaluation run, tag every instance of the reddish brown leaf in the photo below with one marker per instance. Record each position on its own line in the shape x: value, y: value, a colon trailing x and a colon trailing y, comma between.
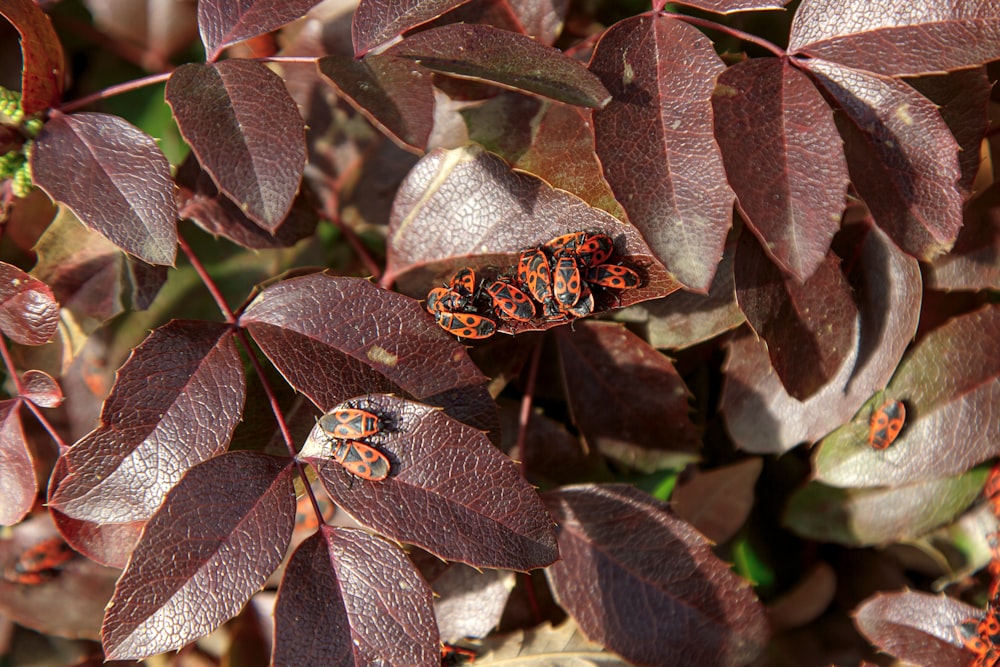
x: 392, y: 93
x: 219, y: 534
x: 378, y: 21
x: 542, y: 20
x: 245, y: 129
x: 974, y: 262
x: 466, y: 207
x: 226, y: 22
x: 41, y: 389
x: 731, y: 6
x: 449, y: 490
x: 718, y: 501
x: 469, y: 602
x: 350, y: 598
x: 950, y: 385
x: 201, y: 201
x: 760, y: 415
x: 17, y: 473
x: 632, y: 574
x: 115, y: 179
x: 784, y: 159
x: 894, y: 38
x: 29, y: 313
x: 507, y: 59
x: 655, y: 140
x: 333, y: 338
x: 545, y: 646
x: 810, y: 328
x: 41, y: 55
x: 916, y: 627
x: 882, y: 515
x: 626, y: 398
x: 901, y: 155
x: 175, y: 403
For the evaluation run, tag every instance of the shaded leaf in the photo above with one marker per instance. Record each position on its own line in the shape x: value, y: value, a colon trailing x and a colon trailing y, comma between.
x: 42, y: 59
x: 41, y: 389
x: 762, y: 417
x: 655, y: 140
x: 449, y: 490
x: 864, y: 517
x: 469, y: 602
x: 175, y: 403
x: 626, y: 398
x: 246, y: 130
x: 161, y: 27
x: 547, y: 646
x: 718, y: 501
x: 465, y: 207
x: 891, y: 38
x: 393, y: 93
x: 806, y: 601
x: 542, y: 20
x: 974, y: 261
x: 225, y: 22
x: 902, y: 157
x: 201, y: 201
x: 784, y: 159
x: 916, y: 627
x: 333, y: 338
x: 951, y: 421
x: 378, y: 21
x: 507, y: 59
x: 17, y: 473
x: 115, y: 179
x: 632, y: 574
x: 810, y: 328
x: 29, y: 313
x: 219, y: 534
x: 731, y: 6
x: 350, y: 598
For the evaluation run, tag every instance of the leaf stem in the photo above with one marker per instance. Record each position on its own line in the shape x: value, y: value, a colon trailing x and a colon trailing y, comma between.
x: 526, y: 402
x: 207, y: 280
x: 731, y: 31
x: 8, y: 361
x: 111, y: 91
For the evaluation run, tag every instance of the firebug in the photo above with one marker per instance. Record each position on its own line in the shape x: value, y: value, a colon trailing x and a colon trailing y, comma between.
x: 444, y: 299
x: 40, y: 562
x: 886, y: 423
x: 463, y: 282
x: 360, y: 459
x: 566, y: 283
x: 467, y: 325
x: 350, y: 424
x: 566, y: 242
x: 613, y: 276
x: 534, y: 276
x: 509, y: 301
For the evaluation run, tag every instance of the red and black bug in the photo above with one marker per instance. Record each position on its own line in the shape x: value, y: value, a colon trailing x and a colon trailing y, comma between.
x: 566, y: 283
x: 444, y: 299
x: 360, y: 459
x: 39, y: 563
x: 613, y: 276
x: 535, y: 278
x: 467, y: 325
x: 595, y: 250
x: 350, y: 423
x: 570, y: 241
x: 885, y: 424
x: 463, y: 282
x: 510, y: 302
x: 452, y: 655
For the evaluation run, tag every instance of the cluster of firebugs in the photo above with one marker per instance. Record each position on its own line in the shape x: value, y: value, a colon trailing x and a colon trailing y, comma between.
x: 553, y: 281
x: 982, y: 637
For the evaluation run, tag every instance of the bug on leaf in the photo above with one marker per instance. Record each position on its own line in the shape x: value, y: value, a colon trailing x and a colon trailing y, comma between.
x: 613, y: 276
x: 40, y: 562
x: 361, y: 460
x: 452, y: 655
x: 885, y: 424
x: 467, y: 325
x: 566, y: 283
x: 444, y: 299
x: 350, y: 423
x: 535, y: 277
x: 566, y: 242
x: 463, y: 282
x: 595, y: 250
x: 510, y: 302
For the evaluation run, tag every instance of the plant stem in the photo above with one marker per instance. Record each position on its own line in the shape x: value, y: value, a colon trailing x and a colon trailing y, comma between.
x: 111, y: 91
x: 733, y: 32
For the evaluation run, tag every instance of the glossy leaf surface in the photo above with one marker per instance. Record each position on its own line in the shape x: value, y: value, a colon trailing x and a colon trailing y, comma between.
x: 29, y: 313
x: 378, y: 21
x: 42, y: 389
x: 226, y: 22
x: 41, y: 55
x: 17, y: 473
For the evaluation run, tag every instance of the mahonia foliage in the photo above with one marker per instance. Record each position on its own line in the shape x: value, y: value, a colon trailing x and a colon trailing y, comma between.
x: 799, y: 209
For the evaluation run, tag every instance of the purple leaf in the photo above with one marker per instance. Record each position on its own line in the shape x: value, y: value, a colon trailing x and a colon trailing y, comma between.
x: 349, y: 598
x: 29, y: 314
x: 893, y: 38
x: 507, y: 59
x: 175, y: 403
x: 42, y: 389
x: 810, y: 328
x: 333, y: 338
x: 42, y: 57
x: 784, y: 159
x: 449, y: 490
x: 392, y: 93
x: 378, y: 21
x: 761, y: 416
x: 951, y: 421
x: 114, y: 178
x: 226, y: 22
x: 632, y: 574
x: 655, y: 140
x: 466, y: 207
x: 246, y: 130
x: 732, y: 6
x: 916, y: 627
x: 974, y: 261
x: 469, y: 602
x: 718, y: 501
x: 219, y: 534
x: 542, y: 20
x: 626, y: 398
x: 901, y: 155
x: 17, y: 472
